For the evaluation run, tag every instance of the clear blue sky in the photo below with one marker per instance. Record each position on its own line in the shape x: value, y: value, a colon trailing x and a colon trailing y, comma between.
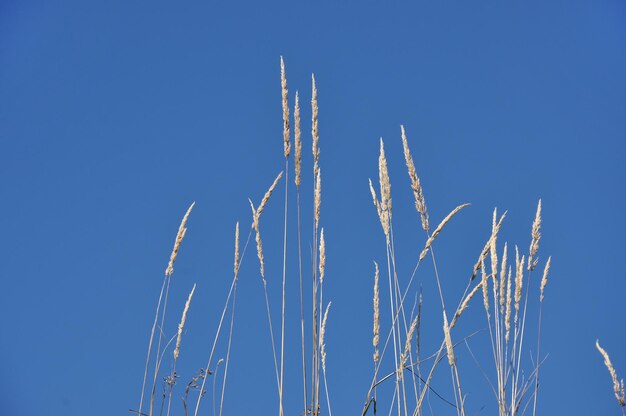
x: 115, y: 116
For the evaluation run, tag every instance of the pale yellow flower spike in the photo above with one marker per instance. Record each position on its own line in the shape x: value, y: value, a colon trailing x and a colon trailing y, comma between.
x: 182, y: 231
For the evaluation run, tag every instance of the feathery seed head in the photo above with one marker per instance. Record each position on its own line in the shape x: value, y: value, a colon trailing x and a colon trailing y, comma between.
x: 544, y: 279
x: 267, y: 195
x: 376, y: 338
x: 465, y: 304
x: 618, y: 388
x: 536, y: 235
x: 503, y: 277
x: 407, y: 344
x: 236, y: 269
x: 485, y: 291
x: 519, y: 280
x: 507, y: 319
x: 322, y: 264
x: 318, y: 196
x: 182, y: 323
x: 182, y: 231
x: 493, y: 249
x: 442, y: 224
x: 297, y: 140
x: 486, y: 248
x: 383, y: 177
x: 283, y: 84
x: 322, y: 336
x: 448, y: 339
x: 314, y: 125
x: 259, y: 252
x: 383, y: 222
x: 418, y: 194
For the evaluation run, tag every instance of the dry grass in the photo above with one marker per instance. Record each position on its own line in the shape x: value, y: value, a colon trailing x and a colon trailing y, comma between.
x: 408, y: 377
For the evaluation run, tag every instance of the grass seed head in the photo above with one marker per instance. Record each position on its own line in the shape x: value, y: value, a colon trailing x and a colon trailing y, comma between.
x: 376, y: 330
x: 416, y: 186
x: 182, y: 323
x: 544, y: 279
x: 448, y: 339
x: 618, y: 388
x: 182, y: 231
x: 297, y: 141
x: 535, y: 237
x: 285, y: 102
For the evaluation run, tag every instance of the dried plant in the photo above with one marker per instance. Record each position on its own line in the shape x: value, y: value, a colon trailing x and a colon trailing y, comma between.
x: 515, y: 388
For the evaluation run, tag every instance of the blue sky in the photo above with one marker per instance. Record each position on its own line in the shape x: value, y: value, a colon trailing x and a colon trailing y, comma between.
x: 115, y: 116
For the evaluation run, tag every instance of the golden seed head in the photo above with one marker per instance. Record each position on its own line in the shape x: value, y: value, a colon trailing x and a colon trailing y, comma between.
x: 407, y: 344
x: 507, y: 319
x: 503, y: 277
x: 442, y: 224
x: 465, y: 304
x: 182, y: 231
x: 322, y: 336
x: 418, y: 194
x: 385, y: 184
x: 318, y: 196
x: 259, y: 252
x: 536, y: 235
x: 379, y: 210
x: 519, y: 280
x: 544, y: 279
x: 322, y: 265
x: 283, y: 84
x: 182, y: 323
x: 314, y: 125
x: 376, y: 338
x: 493, y: 249
x: 448, y: 339
x: 266, y: 197
x: 618, y: 388
x: 297, y: 140
x: 485, y: 291
x: 486, y: 248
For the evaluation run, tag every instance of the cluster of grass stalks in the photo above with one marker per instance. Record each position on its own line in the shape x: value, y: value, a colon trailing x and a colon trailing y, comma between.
x: 402, y: 372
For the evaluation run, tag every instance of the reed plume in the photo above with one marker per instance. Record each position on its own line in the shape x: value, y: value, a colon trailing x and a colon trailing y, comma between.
x: 385, y: 188
x: 407, y: 345
x: 322, y: 336
x: 519, y: 280
x: 182, y: 231
x: 322, y: 265
x: 486, y: 248
x: 442, y: 224
x: 534, y: 242
x: 507, y: 316
x: 297, y: 141
x: 318, y: 197
x: 283, y: 84
x: 418, y: 194
x: 181, y: 325
x: 314, y: 125
x: 503, y: 278
x: 544, y: 279
x: 618, y: 388
x: 448, y: 341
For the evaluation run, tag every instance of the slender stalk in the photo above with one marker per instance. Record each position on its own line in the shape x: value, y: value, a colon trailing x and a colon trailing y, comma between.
x: 156, y: 318
x: 157, y: 364
x: 230, y: 338
x: 219, y: 326
x: 282, y: 324
x: 304, y: 377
